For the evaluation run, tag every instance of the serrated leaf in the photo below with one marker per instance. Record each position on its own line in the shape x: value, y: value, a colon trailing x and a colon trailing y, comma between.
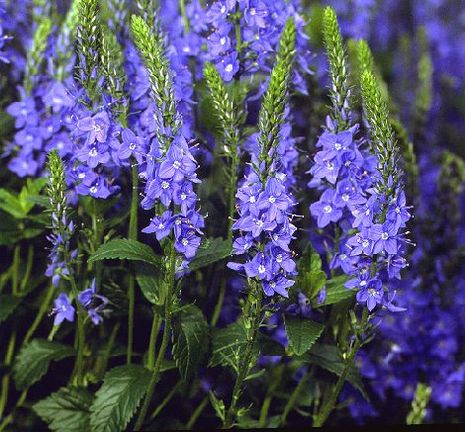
x: 211, y: 251
x: 119, y: 397
x: 150, y: 281
x: 190, y: 339
x: 33, y: 361
x: 326, y: 356
x: 302, y: 333
x: 336, y: 291
x: 8, y: 304
x: 126, y: 249
x: 67, y: 410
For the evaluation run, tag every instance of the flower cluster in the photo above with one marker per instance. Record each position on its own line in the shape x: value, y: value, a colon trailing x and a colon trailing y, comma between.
x: 170, y: 181
x: 266, y: 232
x: 243, y: 37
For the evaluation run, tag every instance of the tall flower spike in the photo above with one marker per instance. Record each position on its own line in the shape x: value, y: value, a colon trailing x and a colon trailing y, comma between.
x: 62, y: 229
x: 152, y: 48
x: 88, y: 44
x: 273, y: 107
x: 382, y: 133
x: 111, y: 68
x: 264, y: 201
x: 231, y: 118
x: 340, y: 92
x: 35, y: 54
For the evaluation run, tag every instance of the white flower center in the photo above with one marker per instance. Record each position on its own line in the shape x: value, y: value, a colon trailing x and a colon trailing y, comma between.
x: 363, y: 283
x: 384, y: 235
x: 272, y: 199
x: 337, y: 146
x: 345, y: 197
x: 165, y: 185
x: 161, y: 226
x: 327, y: 209
x: 223, y: 9
x: 279, y: 258
x: 184, y: 242
x: 93, y: 189
x: 223, y: 40
x: 365, y: 243
x: 252, y: 199
x: 176, y: 164
x: 183, y: 196
x: 132, y: 146
x: 252, y: 11
x: 229, y: 68
x: 93, y: 152
x: 261, y: 269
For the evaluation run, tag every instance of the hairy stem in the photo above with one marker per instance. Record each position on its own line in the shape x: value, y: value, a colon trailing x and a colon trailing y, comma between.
x: 195, y: 415
x: 42, y: 310
x: 156, y: 323
x: 329, y: 405
x: 253, y: 316
x: 6, y: 379
x: 132, y: 236
x: 170, y: 281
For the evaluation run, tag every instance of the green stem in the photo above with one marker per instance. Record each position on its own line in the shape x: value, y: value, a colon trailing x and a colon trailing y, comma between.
x: 132, y: 236
x: 329, y: 405
x: 156, y: 323
x: 166, y: 400
x: 6, y: 379
x: 42, y: 310
x: 15, y: 274
x: 293, y: 399
x: 29, y: 262
x: 80, y: 331
x: 170, y: 282
x: 102, y: 361
x: 195, y: 415
x: 264, y: 411
x: 254, y: 320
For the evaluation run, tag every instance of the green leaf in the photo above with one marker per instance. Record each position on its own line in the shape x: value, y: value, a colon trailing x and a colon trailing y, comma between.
x: 126, y: 249
x: 33, y: 361
x: 326, y: 356
x: 211, y: 251
x: 302, y: 333
x: 336, y: 291
x: 228, y: 345
x: 67, y: 410
x: 11, y: 204
x: 190, y: 337
x: 311, y: 278
x: 150, y: 281
x: 8, y: 304
x: 119, y: 397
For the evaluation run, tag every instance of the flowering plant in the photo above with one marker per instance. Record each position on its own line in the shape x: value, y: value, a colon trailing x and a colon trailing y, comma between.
x: 247, y: 213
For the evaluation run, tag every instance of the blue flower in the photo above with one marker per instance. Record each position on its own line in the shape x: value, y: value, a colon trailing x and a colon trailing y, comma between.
x: 63, y: 309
